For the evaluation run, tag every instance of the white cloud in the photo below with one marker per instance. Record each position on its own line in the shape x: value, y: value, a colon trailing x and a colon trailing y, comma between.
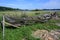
x: 11, y: 4
x: 31, y: 5
x: 52, y: 4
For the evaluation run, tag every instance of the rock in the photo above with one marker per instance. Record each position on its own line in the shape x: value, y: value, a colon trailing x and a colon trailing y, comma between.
x: 47, y: 16
x: 40, y: 34
x: 23, y: 39
x: 45, y: 35
x: 58, y: 24
x: 55, y: 16
x: 49, y: 38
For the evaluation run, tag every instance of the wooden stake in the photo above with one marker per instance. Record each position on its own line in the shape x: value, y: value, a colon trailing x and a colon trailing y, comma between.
x: 3, y: 27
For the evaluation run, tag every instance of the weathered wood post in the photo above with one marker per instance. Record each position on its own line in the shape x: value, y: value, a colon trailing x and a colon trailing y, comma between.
x: 3, y: 24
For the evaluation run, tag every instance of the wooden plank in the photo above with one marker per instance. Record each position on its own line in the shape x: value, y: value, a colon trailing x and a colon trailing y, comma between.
x: 11, y: 24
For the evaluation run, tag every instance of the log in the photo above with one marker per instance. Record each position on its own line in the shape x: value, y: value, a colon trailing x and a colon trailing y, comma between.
x: 12, y: 25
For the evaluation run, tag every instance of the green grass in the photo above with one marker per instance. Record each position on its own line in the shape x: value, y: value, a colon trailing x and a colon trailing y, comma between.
x: 0, y: 33
x: 26, y: 31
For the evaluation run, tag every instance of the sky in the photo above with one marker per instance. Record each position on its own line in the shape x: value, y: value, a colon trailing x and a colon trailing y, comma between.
x: 31, y: 4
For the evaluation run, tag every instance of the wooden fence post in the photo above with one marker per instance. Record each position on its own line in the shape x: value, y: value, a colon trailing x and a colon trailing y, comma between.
x: 3, y: 24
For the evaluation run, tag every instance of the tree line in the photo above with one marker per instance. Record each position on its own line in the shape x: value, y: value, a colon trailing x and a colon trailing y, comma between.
x: 2, y: 8
x: 8, y: 9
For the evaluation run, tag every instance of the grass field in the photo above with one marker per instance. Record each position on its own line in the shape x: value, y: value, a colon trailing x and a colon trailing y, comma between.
x: 24, y: 32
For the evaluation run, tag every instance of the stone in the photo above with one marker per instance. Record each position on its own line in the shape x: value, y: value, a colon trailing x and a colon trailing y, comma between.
x: 46, y: 35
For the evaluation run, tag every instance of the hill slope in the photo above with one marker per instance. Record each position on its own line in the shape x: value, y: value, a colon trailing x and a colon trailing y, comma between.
x: 7, y: 8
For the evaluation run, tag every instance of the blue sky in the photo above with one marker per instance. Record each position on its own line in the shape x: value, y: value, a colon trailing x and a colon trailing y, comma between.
x: 31, y: 4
